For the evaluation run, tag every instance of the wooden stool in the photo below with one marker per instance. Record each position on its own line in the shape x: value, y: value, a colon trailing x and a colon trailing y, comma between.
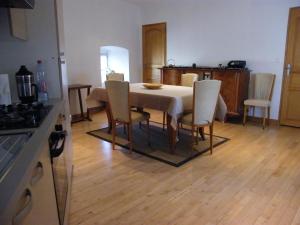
x: 78, y: 87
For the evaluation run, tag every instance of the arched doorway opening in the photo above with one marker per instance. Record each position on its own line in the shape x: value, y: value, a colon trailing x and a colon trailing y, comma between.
x: 114, y: 59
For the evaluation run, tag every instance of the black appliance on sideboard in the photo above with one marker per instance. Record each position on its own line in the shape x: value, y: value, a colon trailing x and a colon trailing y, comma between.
x: 237, y: 64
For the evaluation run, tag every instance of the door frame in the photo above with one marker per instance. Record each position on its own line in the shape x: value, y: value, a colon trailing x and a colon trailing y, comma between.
x: 284, y: 77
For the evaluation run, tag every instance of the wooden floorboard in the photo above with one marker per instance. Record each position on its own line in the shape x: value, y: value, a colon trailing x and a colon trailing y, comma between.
x: 252, y: 179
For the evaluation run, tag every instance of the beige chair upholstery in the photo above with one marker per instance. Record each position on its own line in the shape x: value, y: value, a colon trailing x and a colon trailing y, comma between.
x: 115, y: 76
x: 188, y: 79
x: 261, y: 95
x: 205, y: 99
x: 119, y: 103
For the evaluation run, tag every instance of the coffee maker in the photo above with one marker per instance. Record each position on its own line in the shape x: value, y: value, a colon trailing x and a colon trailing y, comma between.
x: 27, y: 89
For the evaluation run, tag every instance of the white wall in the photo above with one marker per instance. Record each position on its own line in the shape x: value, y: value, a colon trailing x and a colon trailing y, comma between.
x: 41, y: 44
x: 209, y: 32
x: 91, y: 24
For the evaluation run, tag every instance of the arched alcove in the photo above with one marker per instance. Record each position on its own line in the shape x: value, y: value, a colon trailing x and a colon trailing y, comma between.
x: 114, y: 59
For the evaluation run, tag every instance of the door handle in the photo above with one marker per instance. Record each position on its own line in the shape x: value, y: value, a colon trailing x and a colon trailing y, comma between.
x: 57, y: 143
x: 21, y: 215
x: 288, y: 69
x: 38, y: 173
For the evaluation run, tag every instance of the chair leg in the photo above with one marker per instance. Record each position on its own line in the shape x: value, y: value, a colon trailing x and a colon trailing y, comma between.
x: 124, y: 128
x: 201, y: 130
x: 268, y: 116
x: 264, y: 118
x: 148, y: 132
x: 211, y: 130
x: 140, y: 125
x: 197, y: 135
x: 245, y: 114
x: 128, y: 133
x: 164, y: 120
x: 193, y: 134
x: 113, y: 134
x: 130, y: 137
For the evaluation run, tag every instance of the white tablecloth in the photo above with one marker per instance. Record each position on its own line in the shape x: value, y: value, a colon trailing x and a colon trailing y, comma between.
x: 174, y: 100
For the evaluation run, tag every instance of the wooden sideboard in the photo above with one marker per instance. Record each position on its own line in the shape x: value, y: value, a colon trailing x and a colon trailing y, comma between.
x: 235, y: 83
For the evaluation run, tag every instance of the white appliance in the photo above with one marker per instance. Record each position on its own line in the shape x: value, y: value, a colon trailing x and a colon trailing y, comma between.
x: 5, y: 98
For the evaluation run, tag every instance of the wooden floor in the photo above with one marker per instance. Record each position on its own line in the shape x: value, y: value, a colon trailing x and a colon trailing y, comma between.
x: 252, y: 179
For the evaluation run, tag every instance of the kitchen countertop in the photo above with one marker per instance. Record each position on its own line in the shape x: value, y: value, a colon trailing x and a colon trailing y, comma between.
x: 30, y: 152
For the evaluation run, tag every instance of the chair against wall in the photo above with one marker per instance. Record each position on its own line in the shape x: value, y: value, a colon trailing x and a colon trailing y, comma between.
x: 205, y: 97
x: 188, y: 79
x: 119, y: 102
x: 115, y: 76
x: 261, y: 97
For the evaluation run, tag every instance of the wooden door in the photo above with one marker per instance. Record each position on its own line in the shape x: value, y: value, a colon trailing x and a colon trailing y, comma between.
x: 154, y: 51
x: 290, y: 104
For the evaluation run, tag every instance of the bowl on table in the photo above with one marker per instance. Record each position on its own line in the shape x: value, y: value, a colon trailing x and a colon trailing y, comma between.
x: 152, y: 85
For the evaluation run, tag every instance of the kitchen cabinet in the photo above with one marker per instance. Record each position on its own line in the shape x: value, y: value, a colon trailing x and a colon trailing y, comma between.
x: 34, y: 201
x: 18, y: 23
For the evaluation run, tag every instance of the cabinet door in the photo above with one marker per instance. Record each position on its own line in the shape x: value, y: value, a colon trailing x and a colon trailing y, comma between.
x: 229, y: 89
x: 18, y: 24
x: 171, y: 76
x: 40, y: 190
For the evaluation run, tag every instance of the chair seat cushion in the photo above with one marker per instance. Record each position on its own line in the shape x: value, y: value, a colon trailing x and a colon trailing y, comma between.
x: 139, y: 116
x: 188, y: 119
x: 257, y: 102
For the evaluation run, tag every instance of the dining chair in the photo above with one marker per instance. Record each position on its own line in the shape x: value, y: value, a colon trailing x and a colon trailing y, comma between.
x: 115, y: 76
x: 119, y: 103
x: 188, y: 79
x: 261, y: 96
x: 205, y: 97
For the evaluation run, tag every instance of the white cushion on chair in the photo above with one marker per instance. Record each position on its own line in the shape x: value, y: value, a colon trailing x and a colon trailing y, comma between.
x: 188, y: 119
x: 257, y: 102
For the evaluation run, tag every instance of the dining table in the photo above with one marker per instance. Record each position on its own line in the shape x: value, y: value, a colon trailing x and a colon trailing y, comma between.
x: 171, y: 99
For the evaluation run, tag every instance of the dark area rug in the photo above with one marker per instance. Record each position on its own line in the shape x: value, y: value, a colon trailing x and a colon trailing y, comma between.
x: 159, y: 148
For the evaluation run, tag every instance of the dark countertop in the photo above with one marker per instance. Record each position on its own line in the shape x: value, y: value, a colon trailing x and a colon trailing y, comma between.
x: 30, y: 152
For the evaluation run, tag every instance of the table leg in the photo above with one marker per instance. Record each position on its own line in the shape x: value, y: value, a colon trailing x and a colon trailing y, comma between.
x: 80, y: 103
x: 109, y: 117
x: 201, y: 130
x: 171, y: 134
x: 88, y: 116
